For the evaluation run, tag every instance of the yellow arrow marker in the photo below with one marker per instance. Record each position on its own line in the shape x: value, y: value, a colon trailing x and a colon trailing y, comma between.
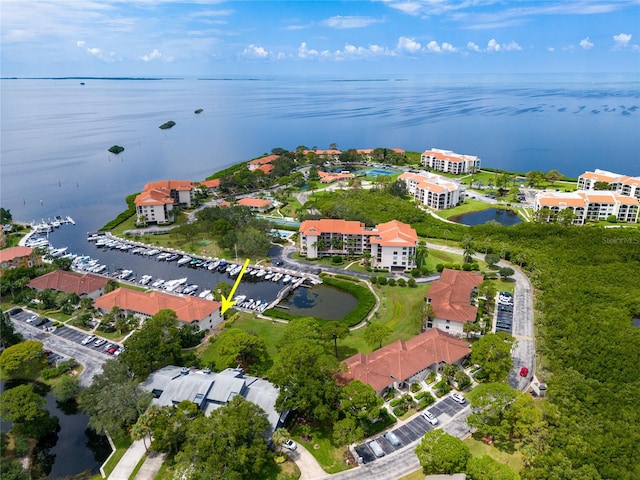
x: 227, y: 303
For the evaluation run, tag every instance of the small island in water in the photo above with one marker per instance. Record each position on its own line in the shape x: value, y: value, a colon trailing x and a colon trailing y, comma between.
x: 167, y: 125
x: 116, y: 149
x: 198, y: 111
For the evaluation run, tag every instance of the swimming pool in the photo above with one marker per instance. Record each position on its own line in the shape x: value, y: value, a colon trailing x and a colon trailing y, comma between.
x: 376, y: 172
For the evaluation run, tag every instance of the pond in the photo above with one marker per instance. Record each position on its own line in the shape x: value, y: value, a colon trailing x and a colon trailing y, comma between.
x: 320, y: 301
x: 502, y: 216
x: 73, y: 449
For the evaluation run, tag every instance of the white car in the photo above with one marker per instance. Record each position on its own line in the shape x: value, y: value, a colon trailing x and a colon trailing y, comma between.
x: 88, y: 339
x: 430, y: 417
x: 290, y: 445
x: 99, y: 342
x: 458, y: 398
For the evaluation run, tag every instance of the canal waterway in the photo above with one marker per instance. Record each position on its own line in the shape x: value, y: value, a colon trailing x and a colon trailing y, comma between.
x: 73, y: 449
x: 502, y: 216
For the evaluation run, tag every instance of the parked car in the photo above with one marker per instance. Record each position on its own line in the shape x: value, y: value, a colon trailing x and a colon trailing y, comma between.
x: 524, y: 371
x: 15, y: 311
x: 290, y: 445
x: 88, y: 339
x: 40, y: 321
x: 376, y: 448
x: 458, y: 398
x: 112, y: 350
x: 118, y: 352
x: 99, y: 342
x: 392, y: 439
x: 108, y: 346
x: 32, y: 318
x: 430, y: 417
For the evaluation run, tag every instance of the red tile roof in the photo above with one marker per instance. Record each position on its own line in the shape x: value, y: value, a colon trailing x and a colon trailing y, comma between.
x: 266, y: 168
x: 326, y: 177
x: 255, y: 202
x: 263, y: 160
x: 188, y: 309
x: 450, y: 296
x: 69, y: 282
x: 395, y: 233
x: 153, y: 197
x: 215, y: 183
x: 402, y: 360
x: 330, y: 225
x: 8, y: 254
x: 168, y: 185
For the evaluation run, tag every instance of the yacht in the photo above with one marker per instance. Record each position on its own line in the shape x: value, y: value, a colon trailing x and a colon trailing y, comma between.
x: 145, y: 279
x: 183, y: 260
x: 158, y: 283
x: 204, y: 293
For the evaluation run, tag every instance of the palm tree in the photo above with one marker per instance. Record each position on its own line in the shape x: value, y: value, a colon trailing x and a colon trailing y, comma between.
x: 468, y: 249
x: 280, y: 436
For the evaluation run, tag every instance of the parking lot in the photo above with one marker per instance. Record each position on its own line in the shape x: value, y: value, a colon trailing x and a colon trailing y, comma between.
x: 412, y: 430
x: 45, y: 325
x: 504, y: 313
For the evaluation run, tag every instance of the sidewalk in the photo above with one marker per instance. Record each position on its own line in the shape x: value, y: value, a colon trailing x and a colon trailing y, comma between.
x: 309, y: 467
x: 128, y: 462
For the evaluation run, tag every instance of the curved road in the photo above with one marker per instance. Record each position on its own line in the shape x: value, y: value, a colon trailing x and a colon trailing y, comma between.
x: 403, y: 462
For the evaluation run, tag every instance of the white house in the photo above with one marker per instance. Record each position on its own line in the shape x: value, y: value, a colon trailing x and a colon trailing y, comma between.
x: 590, y: 205
x: 621, y: 184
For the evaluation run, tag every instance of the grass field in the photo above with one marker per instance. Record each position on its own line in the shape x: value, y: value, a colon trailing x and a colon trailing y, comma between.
x: 478, y: 449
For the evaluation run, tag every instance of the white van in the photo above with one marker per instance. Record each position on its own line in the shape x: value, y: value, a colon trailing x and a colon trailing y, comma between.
x: 376, y: 448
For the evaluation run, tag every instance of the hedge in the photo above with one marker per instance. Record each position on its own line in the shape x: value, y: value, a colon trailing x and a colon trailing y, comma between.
x: 124, y: 216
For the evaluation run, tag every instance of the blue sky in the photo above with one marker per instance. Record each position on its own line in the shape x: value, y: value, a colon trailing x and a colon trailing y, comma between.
x: 217, y: 37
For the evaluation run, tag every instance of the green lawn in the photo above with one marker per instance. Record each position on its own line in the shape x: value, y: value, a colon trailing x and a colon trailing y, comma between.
x: 122, y: 444
x: 478, y: 449
x: 330, y: 458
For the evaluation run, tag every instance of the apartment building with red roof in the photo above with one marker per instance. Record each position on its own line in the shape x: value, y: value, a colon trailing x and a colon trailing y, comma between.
x: 211, y: 185
x: 620, y: 184
x: 182, y: 191
x: 390, y: 245
x: 331, y: 154
x: 449, y: 162
x: 405, y: 361
x: 83, y: 284
x: 434, y: 191
x: 589, y: 205
x: 155, y: 203
x: 327, y: 177
x: 451, y: 299
x: 259, y: 205
x: 262, y: 163
x: 192, y: 310
x: 19, y: 256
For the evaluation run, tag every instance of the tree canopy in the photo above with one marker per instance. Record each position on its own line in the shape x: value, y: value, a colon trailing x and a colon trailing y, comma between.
x: 23, y: 360
x: 376, y: 333
x: 440, y: 452
x: 26, y: 409
x: 229, y: 444
x: 493, y: 353
x: 237, y: 346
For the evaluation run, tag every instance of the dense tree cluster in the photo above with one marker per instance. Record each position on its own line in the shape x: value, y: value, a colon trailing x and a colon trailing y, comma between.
x: 493, y: 353
x: 587, y: 297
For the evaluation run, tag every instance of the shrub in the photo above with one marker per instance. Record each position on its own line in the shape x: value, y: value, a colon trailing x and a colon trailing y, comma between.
x: 466, y: 267
x: 20, y: 446
x: 412, y: 283
x: 421, y: 395
x: 440, y: 267
x: 373, y: 280
x: 431, y: 377
x: 442, y: 388
x: 337, y: 259
x: 399, y: 411
x: 416, y: 272
x: 49, y: 373
x: 397, y: 401
x: 391, y: 282
x: 402, y: 282
x: 415, y: 387
x: 382, y: 280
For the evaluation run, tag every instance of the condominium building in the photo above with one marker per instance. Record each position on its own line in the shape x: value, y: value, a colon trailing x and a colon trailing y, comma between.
x: 390, y: 245
x: 155, y: 203
x: 449, y: 162
x: 20, y: 256
x: 181, y: 191
x: 433, y: 190
x: 590, y: 205
x: 621, y: 184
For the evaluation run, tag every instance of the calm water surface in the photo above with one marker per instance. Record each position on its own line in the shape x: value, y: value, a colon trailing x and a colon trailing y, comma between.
x: 55, y: 133
x: 503, y: 217
x: 321, y: 301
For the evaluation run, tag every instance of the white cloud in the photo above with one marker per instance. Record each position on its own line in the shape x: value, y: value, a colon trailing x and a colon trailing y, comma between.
x: 586, y: 43
x: 473, y: 47
x: 551, y: 49
x: 94, y: 51
x: 447, y: 47
x: 156, y: 55
x: 512, y: 47
x: 254, y: 51
x: 622, y: 39
x: 349, y: 22
x: 408, y: 45
x: 352, y: 51
x: 411, y: 8
x: 80, y: 43
x: 493, y: 46
x: 433, y: 46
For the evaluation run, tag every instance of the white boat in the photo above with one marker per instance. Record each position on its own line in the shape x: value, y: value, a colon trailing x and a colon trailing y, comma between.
x: 239, y: 299
x: 261, y: 273
x: 204, y: 293
x: 126, y: 274
x: 276, y: 277
x: 269, y: 276
x: 286, y: 279
x: 189, y: 289
x: 145, y: 279
x: 209, y: 297
x: 235, y: 270
x: 70, y: 220
x: 171, y: 285
x: 99, y: 269
x: 183, y: 260
x: 158, y: 283
x: 214, y: 265
x: 152, y: 252
x: 230, y: 267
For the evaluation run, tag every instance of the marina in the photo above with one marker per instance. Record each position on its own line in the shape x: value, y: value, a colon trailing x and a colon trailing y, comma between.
x: 178, y: 272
